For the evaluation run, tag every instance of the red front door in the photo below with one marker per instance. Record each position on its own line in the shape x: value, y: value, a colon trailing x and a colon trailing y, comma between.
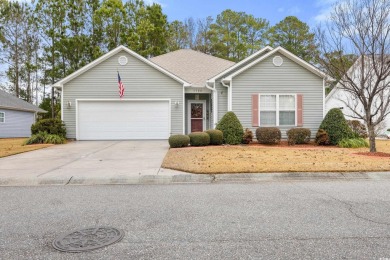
x: 197, y: 117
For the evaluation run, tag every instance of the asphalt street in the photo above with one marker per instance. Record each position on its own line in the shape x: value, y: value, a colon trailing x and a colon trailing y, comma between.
x: 270, y: 220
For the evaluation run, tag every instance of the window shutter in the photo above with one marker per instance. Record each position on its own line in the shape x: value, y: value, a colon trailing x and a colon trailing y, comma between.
x: 255, y: 110
x: 299, y: 110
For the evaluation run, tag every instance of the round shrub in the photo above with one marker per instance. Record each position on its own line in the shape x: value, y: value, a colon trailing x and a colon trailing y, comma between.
x: 322, y: 137
x: 51, y: 126
x: 216, y: 136
x: 177, y: 141
x: 247, y: 137
x: 268, y: 135
x: 231, y: 128
x: 358, y: 128
x: 199, y: 139
x: 336, y: 126
x: 298, y: 136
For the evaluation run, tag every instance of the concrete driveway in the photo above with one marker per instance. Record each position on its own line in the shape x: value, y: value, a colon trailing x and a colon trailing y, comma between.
x: 76, y: 162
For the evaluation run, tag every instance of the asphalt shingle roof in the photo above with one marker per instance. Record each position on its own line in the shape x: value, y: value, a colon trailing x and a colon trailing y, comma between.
x: 9, y: 101
x: 192, y: 66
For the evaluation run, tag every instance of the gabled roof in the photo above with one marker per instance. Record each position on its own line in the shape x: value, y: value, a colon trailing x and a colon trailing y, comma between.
x: 241, y: 63
x: 286, y: 53
x: 192, y: 66
x: 11, y: 102
x: 112, y: 53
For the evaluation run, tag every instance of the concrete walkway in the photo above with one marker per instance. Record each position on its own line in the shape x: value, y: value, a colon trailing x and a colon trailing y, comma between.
x: 126, y: 162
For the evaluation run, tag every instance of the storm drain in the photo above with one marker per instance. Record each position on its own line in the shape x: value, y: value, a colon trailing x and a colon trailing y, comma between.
x: 87, y: 239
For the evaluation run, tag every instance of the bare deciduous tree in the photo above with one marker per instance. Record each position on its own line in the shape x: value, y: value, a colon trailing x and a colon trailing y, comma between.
x: 362, y: 28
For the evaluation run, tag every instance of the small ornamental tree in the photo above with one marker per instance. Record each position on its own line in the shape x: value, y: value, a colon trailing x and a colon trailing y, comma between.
x: 336, y: 126
x: 231, y: 128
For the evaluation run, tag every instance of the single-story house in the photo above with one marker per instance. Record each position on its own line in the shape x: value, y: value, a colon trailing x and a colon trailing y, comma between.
x: 186, y: 91
x: 16, y: 116
x: 351, y: 106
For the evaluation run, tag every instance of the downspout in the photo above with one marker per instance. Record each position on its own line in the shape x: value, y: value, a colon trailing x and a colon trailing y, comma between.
x: 229, y: 108
x: 215, y: 102
x: 184, y: 107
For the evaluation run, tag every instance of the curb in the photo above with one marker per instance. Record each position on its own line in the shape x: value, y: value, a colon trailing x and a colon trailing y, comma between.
x: 198, y: 178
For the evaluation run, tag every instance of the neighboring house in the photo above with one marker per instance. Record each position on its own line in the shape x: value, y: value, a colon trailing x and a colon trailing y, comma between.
x: 16, y: 116
x: 340, y: 98
x: 186, y: 91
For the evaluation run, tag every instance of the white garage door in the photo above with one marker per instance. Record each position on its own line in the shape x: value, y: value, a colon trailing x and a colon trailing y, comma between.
x: 118, y: 120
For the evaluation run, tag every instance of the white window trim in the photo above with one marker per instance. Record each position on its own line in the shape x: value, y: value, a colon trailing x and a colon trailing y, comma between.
x: 2, y: 117
x: 277, y: 108
x: 189, y: 114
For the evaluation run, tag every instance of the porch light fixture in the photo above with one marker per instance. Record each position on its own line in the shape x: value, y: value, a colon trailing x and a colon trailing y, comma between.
x: 69, y: 104
x: 177, y: 104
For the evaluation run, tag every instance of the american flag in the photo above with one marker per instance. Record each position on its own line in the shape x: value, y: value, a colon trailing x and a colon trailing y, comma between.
x: 121, y: 87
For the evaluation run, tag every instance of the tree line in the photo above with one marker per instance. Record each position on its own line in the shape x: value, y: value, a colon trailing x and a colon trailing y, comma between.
x: 44, y: 41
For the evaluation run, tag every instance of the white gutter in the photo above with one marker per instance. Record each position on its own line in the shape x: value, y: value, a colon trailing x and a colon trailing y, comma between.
x: 229, y: 108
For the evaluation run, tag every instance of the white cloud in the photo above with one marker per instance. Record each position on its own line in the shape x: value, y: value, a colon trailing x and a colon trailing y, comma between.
x: 150, y: 2
x: 294, y: 10
x: 326, y: 7
x: 280, y: 9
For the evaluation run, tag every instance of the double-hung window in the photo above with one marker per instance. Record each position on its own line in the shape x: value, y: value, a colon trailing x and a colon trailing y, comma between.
x: 277, y: 109
x: 2, y: 117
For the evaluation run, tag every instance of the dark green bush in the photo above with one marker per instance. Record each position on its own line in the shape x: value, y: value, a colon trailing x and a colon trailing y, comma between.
x: 358, y: 128
x: 45, y: 138
x: 353, y: 143
x: 51, y: 126
x: 336, y: 126
x: 199, y: 139
x: 177, y: 141
x: 268, y: 135
x: 231, y: 128
x: 216, y: 136
x: 247, y: 137
x: 298, y: 136
x: 322, y: 137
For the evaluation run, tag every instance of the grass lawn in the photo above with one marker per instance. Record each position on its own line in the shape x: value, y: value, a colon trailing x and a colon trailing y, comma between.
x: 239, y: 159
x: 10, y: 146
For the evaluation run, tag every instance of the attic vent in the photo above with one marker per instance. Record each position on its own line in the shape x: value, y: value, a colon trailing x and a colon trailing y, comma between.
x: 122, y: 60
x: 278, y: 61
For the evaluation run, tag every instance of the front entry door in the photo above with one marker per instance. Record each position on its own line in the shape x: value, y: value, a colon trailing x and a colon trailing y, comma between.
x: 197, y: 116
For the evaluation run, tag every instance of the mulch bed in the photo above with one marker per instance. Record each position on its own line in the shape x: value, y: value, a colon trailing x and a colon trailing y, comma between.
x: 377, y: 154
x: 284, y: 144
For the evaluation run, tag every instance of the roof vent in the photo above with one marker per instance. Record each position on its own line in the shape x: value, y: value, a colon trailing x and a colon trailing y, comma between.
x: 122, y: 60
x: 278, y: 61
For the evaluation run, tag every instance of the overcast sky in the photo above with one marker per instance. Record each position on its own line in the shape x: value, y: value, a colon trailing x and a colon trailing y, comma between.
x: 311, y: 12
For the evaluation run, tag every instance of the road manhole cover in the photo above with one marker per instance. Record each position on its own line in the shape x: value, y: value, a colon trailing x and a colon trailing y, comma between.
x: 87, y: 239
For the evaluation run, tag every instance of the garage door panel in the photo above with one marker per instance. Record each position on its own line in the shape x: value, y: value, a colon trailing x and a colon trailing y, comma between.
x: 115, y: 120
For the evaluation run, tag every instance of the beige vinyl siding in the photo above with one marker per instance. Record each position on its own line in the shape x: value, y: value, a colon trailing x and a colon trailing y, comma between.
x: 141, y: 81
x: 290, y: 78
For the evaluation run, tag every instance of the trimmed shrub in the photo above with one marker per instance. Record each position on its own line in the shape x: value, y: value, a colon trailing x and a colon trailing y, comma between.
x: 268, y: 135
x: 353, y: 143
x: 247, y: 137
x: 358, y: 128
x: 199, y: 139
x: 51, y: 126
x: 298, y: 136
x: 216, y: 136
x: 177, y: 141
x: 322, y: 137
x: 45, y: 138
x: 336, y: 126
x: 231, y: 128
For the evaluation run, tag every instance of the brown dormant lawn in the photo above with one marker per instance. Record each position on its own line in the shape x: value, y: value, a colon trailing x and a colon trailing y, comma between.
x: 252, y: 158
x: 10, y: 146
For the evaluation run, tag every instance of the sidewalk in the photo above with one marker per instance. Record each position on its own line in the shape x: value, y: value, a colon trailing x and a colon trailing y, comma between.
x: 166, y: 176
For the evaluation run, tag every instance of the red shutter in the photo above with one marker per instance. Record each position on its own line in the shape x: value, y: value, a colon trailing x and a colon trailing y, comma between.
x: 299, y: 110
x: 255, y: 110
